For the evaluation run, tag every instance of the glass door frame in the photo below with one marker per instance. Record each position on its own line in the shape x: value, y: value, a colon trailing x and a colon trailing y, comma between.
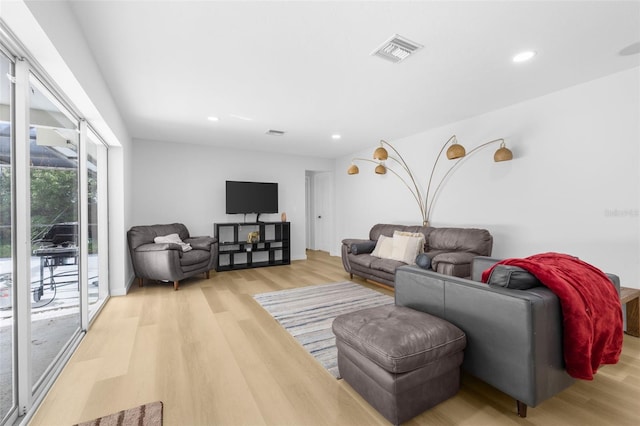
x: 103, y: 218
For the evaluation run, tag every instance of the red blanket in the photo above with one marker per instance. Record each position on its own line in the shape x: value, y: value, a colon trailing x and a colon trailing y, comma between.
x: 591, y: 309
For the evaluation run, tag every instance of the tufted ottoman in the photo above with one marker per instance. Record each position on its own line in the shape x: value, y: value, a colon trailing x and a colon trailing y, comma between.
x: 401, y: 361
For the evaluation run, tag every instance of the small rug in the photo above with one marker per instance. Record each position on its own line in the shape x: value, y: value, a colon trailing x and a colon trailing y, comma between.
x: 145, y: 415
x: 307, y: 313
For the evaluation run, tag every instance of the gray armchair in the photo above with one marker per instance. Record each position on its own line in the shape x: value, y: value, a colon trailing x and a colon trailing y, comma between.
x: 168, y: 261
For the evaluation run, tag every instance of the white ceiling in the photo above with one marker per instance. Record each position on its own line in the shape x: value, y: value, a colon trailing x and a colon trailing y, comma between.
x: 305, y: 67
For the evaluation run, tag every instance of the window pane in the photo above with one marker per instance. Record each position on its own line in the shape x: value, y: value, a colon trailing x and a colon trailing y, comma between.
x: 55, y: 314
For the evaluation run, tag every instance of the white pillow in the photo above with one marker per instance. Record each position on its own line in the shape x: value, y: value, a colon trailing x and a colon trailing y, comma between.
x: 172, y: 239
x: 384, y: 247
x: 406, y: 249
x: 413, y: 234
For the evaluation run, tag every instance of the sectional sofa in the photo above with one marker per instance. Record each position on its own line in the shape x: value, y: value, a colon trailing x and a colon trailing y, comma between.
x: 514, y: 337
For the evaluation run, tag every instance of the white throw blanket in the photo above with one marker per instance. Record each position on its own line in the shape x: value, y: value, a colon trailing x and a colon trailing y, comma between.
x: 173, y: 239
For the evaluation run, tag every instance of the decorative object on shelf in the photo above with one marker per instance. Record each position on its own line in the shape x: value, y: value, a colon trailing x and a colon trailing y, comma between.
x: 253, y: 237
x: 454, y: 152
x: 283, y: 216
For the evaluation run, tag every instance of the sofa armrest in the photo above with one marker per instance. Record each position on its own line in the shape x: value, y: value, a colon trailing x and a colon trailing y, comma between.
x: 158, y: 247
x: 348, y: 242
x: 455, y: 258
x: 479, y: 264
x: 363, y: 248
x: 201, y: 243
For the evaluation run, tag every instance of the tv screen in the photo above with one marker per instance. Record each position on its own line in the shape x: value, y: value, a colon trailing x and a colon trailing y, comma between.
x: 252, y: 197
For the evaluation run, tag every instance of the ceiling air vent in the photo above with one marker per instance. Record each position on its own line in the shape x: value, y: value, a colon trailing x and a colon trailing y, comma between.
x: 396, y: 49
x: 275, y: 132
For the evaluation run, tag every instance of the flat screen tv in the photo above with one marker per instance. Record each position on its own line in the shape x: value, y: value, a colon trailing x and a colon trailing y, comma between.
x: 252, y: 197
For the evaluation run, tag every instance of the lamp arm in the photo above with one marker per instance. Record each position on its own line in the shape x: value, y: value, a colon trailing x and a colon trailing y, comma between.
x: 415, y: 195
x: 404, y: 165
x: 426, y: 199
x: 435, y: 193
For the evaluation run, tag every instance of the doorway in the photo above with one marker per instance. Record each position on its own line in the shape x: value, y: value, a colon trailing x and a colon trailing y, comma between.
x: 319, y: 210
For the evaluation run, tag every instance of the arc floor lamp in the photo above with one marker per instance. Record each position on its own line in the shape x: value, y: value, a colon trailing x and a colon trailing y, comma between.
x: 454, y: 152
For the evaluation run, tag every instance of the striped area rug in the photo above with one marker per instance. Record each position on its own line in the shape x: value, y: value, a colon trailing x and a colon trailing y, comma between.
x: 145, y: 415
x: 308, y: 312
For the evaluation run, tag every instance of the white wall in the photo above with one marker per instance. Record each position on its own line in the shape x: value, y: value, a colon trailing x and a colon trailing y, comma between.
x: 572, y: 187
x: 178, y: 182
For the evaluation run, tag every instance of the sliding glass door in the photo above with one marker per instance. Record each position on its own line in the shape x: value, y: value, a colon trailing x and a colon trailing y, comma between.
x: 55, y: 283
x: 53, y: 232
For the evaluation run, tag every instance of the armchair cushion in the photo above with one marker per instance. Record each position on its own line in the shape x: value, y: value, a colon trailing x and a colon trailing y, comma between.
x: 194, y: 256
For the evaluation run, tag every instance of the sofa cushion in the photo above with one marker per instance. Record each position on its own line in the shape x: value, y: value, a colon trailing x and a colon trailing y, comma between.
x: 386, y: 265
x: 384, y: 247
x: 514, y: 277
x: 362, y: 259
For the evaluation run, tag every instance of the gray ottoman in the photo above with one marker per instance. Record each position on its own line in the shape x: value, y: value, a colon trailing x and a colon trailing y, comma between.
x: 401, y: 361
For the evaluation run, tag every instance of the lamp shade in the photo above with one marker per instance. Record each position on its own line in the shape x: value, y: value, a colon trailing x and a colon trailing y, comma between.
x: 380, y: 154
x: 502, y: 154
x: 381, y: 169
x: 353, y: 169
x: 456, y: 151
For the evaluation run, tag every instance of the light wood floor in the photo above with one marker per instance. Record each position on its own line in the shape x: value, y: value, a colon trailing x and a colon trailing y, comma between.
x: 215, y: 357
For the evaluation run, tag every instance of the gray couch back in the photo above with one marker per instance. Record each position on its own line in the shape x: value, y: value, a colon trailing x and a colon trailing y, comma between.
x: 139, y: 235
x: 472, y: 240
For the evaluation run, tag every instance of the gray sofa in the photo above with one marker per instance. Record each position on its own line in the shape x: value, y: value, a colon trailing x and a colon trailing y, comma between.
x: 514, y: 337
x: 168, y: 261
x: 450, y: 251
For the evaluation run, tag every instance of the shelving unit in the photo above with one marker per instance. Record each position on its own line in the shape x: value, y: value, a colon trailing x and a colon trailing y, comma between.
x: 234, y: 252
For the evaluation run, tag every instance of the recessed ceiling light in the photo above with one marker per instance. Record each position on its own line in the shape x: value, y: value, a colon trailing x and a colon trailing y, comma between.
x: 212, y: 118
x: 524, y: 56
x: 335, y: 136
